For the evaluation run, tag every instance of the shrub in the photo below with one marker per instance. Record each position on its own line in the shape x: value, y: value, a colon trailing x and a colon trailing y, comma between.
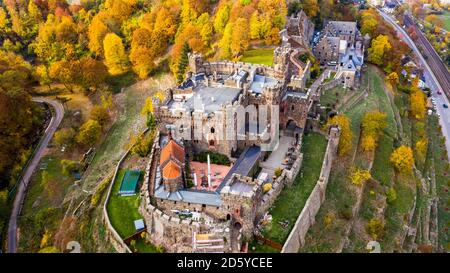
x: 143, y: 145
x: 65, y: 136
x: 69, y: 166
x: 375, y: 228
x: 216, y: 158
x: 391, y: 195
x: 278, y: 172
x: 97, y: 196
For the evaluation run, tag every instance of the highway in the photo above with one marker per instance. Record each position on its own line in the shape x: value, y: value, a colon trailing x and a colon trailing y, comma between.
x: 28, y: 172
x: 437, y: 76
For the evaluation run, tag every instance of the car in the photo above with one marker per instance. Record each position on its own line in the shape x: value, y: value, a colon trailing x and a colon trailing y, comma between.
x: 445, y: 105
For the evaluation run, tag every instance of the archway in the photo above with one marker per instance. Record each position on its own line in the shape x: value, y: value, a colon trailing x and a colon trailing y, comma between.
x: 228, y: 217
x: 238, y: 225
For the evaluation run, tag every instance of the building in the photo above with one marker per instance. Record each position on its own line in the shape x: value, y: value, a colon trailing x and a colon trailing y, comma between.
x: 341, y: 46
x: 197, y: 206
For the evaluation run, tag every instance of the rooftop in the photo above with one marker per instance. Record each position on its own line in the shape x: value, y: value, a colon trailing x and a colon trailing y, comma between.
x: 207, y: 98
x: 260, y: 82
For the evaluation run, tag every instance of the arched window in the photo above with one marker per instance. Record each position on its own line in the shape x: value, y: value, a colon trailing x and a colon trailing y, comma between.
x: 212, y: 130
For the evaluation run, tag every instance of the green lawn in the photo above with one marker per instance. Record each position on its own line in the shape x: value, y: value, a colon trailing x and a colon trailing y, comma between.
x: 123, y: 210
x: 290, y: 202
x: 446, y: 18
x: 258, y: 56
x: 142, y: 246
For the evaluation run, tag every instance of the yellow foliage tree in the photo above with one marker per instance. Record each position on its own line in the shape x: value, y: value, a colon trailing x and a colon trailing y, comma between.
x: 345, y: 141
x: 402, y: 159
x: 393, y: 79
x: 115, y: 57
x: 96, y: 33
x: 45, y: 239
x: 421, y: 148
x: 418, y: 104
x: 379, y: 47
x: 359, y: 176
x: 368, y: 143
x: 148, y: 106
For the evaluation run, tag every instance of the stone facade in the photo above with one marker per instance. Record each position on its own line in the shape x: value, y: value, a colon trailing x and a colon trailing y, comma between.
x: 342, y: 46
x: 307, y: 217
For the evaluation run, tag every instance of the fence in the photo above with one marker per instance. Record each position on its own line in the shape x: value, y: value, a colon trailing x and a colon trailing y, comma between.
x: 268, y: 242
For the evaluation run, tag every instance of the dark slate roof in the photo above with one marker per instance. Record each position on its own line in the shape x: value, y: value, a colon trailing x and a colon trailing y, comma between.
x: 243, y: 165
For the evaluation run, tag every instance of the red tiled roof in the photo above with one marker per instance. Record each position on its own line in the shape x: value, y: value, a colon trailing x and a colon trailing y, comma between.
x: 171, y: 170
x: 172, y: 149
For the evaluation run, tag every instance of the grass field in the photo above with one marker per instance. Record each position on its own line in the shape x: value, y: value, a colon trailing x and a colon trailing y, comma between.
x: 446, y: 18
x: 123, y: 210
x: 290, y: 202
x: 258, y: 56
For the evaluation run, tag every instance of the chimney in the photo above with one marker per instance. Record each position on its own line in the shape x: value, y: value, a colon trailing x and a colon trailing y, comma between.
x: 209, y: 172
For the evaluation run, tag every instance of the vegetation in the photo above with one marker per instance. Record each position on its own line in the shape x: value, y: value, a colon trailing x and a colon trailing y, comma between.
x: 123, y: 210
x: 258, y: 56
x: 214, y: 157
x: 291, y: 200
x: 345, y: 141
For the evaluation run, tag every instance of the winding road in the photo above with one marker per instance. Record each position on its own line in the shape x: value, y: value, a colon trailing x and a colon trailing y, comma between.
x: 57, y: 117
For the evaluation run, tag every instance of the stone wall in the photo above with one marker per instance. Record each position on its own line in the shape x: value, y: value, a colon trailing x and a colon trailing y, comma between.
x: 307, y: 217
x: 111, y: 233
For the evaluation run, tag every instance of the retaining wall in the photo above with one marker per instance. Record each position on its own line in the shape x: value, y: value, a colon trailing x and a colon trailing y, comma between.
x: 307, y: 217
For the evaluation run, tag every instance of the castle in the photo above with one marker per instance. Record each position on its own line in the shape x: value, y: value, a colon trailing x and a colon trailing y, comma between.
x: 254, y: 116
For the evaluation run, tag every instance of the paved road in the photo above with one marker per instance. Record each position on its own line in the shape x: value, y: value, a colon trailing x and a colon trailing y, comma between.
x: 435, y: 82
x: 23, y: 183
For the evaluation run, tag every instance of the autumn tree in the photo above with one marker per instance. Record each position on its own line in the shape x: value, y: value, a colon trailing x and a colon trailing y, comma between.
x: 142, y: 54
x: 96, y: 33
x: 221, y: 18
x: 372, y: 125
x: 91, y: 73
x: 115, y: 57
x: 100, y: 114
x: 345, y: 140
x: 379, y: 47
x: 359, y: 176
x: 240, y: 38
x: 402, y: 159
x: 42, y: 74
x: 418, y: 103
x: 393, y: 79
x: 421, y: 148
x: 65, y: 136
x: 89, y: 133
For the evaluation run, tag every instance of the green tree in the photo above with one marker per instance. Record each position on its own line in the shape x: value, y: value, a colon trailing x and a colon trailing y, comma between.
x: 183, y: 62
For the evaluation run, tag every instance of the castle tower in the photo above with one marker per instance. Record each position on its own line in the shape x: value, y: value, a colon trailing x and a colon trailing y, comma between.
x: 281, y: 58
x: 195, y: 63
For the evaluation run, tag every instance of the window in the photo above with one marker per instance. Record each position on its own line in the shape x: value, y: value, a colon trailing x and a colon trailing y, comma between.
x: 203, y: 206
x: 212, y: 130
